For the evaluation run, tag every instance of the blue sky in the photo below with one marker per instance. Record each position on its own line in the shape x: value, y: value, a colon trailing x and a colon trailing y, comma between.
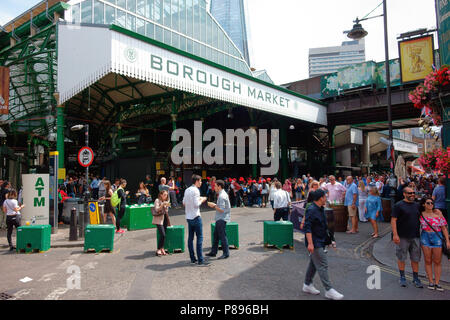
x: 13, y: 8
x: 281, y: 32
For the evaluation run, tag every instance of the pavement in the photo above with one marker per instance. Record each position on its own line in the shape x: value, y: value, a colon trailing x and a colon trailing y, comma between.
x: 384, y: 253
x: 133, y: 272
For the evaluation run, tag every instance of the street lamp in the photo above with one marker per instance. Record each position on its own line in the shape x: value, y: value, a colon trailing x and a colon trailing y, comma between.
x: 84, y: 221
x: 358, y: 33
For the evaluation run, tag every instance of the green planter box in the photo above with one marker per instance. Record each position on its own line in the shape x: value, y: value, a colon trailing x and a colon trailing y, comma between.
x: 33, y: 238
x: 174, y: 239
x: 279, y: 234
x: 137, y: 217
x: 232, y: 230
x: 140, y: 218
x: 99, y: 237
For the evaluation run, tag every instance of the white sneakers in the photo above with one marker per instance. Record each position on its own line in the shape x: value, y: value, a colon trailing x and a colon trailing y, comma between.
x: 333, y: 295
x: 310, y: 289
x: 330, y: 294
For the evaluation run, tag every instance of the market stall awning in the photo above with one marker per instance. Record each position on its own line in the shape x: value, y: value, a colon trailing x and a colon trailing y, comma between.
x: 89, y: 55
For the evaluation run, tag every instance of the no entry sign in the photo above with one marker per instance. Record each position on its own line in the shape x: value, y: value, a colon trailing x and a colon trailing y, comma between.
x: 85, y: 157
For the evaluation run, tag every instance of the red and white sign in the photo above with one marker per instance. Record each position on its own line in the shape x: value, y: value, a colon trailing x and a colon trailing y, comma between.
x: 85, y: 157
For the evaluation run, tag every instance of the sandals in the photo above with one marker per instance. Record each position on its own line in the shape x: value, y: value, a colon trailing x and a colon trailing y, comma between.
x: 374, y: 237
x: 159, y: 254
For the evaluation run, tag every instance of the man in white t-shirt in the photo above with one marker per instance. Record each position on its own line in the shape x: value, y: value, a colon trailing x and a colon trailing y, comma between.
x: 281, y: 203
x: 192, y: 202
x: 12, y: 209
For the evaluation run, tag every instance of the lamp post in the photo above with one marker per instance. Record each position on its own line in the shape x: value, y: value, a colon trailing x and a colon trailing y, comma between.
x: 85, y: 219
x: 358, y: 33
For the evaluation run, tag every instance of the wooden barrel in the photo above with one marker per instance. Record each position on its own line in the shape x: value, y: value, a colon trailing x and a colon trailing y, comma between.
x: 386, y: 203
x: 330, y: 219
x: 340, y: 218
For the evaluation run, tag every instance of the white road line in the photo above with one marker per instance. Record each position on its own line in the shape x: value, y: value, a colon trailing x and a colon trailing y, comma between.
x: 21, y: 293
x: 65, y: 264
x: 56, y: 294
x: 90, y: 266
x: 47, y: 277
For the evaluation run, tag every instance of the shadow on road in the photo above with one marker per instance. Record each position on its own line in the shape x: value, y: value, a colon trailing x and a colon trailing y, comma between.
x: 165, y: 267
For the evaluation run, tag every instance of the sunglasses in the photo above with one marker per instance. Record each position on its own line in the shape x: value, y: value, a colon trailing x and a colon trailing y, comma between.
x: 409, y: 192
x: 429, y: 202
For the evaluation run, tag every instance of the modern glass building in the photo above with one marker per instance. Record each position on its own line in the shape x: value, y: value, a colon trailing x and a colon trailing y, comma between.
x: 184, y: 24
x: 231, y: 16
x: 329, y: 59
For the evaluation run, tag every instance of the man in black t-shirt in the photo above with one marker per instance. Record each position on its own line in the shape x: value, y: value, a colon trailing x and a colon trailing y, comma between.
x: 406, y: 235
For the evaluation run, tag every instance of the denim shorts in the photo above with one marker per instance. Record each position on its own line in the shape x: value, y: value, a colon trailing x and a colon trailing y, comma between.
x: 431, y: 239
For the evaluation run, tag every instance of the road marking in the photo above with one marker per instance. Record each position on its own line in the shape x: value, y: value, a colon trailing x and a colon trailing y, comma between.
x: 407, y: 276
x: 65, y: 264
x: 56, y: 294
x: 47, y: 277
x: 21, y: 293
x: 90, y: 266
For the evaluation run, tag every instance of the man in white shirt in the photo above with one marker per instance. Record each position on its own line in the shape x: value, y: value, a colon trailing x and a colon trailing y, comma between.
x: 281, y: 203
x: 192, y: 202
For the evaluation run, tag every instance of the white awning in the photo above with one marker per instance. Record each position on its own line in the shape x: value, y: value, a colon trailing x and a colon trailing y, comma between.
x: 88, y: 53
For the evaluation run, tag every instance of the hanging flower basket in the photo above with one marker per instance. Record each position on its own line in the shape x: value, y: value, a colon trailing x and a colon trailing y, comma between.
x: 436, y: 160
x: 426, y: 95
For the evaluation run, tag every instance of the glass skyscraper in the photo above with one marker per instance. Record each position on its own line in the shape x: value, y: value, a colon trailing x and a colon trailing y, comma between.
x: 231, y: 16
x: 184, y: 24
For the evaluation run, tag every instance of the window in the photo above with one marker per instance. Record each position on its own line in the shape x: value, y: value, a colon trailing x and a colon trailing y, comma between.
x: 149, y: 9
x: 140, y: 26
x: 182, y: 13
x: 140, y: 8
x: 190, y: 46
x: 166, y: 14
x: 182, y: 43
x: 76, y: 13
x: 175, y: 16
x: 110, y: 14
x: 150, y: 27
x: 175, y: 40
x: 157, y: 17
x: 131, y: 22
x: 196, y: 20
x: 122, y: 3
x: 167, y: 37
x: 203, y: 25
x: 158, y: 33
x: 189, y: 18
x: 86, y: 11
x: 99, y: 12
x: 131, y: 5
x: 121, y: 18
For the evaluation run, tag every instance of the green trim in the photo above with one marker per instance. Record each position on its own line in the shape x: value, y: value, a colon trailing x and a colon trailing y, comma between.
x: 138, y: 36
x: 378, y: 122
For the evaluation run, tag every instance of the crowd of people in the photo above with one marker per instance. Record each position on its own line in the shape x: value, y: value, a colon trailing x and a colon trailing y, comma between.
x: 419, y: 216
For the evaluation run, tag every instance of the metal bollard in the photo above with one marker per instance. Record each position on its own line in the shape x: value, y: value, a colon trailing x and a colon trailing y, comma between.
x: 73, y: 225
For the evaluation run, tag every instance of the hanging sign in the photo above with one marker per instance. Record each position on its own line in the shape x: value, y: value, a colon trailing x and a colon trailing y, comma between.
x: 85, y: 157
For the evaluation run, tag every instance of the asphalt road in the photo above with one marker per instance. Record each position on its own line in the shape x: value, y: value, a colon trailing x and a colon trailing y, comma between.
x: 133, y: 271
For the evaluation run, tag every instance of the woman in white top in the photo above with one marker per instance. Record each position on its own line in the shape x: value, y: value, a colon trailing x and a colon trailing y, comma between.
x: 363, y: 194
x: 264, y: 193
x: 12, y: 209
x: 272, y: 190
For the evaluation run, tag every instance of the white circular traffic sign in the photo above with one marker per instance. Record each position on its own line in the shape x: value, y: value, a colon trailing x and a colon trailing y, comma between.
x: 85, y: 157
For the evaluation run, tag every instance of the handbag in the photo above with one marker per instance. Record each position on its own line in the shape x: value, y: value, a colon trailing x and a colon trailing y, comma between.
x: 445, y: 250
x: 159, y: 212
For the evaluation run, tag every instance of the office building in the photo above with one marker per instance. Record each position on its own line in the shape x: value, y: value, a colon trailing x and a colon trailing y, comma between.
x: 329, y: 59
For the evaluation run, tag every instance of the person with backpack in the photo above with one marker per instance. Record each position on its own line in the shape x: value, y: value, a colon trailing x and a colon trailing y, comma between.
x: 119, y: 200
